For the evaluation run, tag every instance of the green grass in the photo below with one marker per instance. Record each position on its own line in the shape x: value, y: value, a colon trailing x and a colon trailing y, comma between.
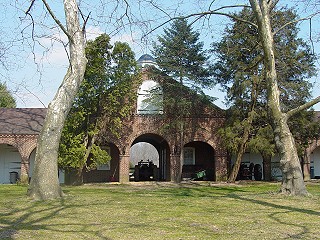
x: 162, y: 211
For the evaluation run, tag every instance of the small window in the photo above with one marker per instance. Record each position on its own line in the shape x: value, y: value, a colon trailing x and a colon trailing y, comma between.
x: 107, y: 165
x: 150, y: 98
x: 189, y: 156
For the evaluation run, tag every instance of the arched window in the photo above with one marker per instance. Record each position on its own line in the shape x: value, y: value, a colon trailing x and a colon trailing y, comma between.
x: 150, y: 98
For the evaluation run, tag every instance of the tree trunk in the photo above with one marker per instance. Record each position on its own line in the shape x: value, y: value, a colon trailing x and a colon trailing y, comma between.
x: 179, y: 165
x: 242, y: 147
x: 89, y: 148
x: 292, y: 179
x: 266, y: 166
x: 44, y: 183
x: 306, y: 165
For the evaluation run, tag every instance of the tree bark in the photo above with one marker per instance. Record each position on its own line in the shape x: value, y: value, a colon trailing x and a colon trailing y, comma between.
x: 266, y: 166
x: 45, y: 183
x: 292, y: 179
x: 306, y: 165
x: 242, y: 147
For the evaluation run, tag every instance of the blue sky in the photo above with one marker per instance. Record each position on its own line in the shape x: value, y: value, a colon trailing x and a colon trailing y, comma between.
x: 34, y: 71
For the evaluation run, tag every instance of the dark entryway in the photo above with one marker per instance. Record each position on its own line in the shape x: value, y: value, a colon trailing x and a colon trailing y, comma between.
x: 149, y: 158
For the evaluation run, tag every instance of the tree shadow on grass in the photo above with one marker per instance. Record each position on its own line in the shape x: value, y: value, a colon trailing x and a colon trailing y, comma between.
x: 246, y: 195
x: 277, y: 216
x: 36, y: 216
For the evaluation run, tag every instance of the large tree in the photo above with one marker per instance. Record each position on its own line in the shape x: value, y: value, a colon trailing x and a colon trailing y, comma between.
x: 45, y: 183
x: 104, y: 98
x: 292, y: 178
x: 239, y: 70
x: 6, y: 98
x: 292, y: 182
x: 180, y: 55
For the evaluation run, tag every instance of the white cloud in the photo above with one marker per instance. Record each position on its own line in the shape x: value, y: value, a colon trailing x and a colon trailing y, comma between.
x: 53, y: 59
x: 51, y: 51
x: 93, y: 32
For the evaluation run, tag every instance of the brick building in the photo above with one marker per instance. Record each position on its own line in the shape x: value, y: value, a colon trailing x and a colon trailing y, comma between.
x: 150, y: 124
x: 19, y: 129
x: 202, y: 147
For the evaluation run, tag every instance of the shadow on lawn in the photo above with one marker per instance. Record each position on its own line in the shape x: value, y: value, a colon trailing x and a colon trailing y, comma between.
x: 282, y: 210
x: 246, y: 195
x: 35, y: 216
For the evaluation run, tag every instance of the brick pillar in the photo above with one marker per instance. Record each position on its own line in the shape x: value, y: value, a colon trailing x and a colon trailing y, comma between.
x: 124, y: 168
x: 221, y: 165
x: 175, y: 167
x: 306, y: 164
x: 24, y: 168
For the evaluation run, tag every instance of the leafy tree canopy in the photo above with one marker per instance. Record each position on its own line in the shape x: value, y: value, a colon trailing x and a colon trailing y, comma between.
x: 6, y: 98
x: 102, y: 101
x: 240, y: 71
x: 180, y: 55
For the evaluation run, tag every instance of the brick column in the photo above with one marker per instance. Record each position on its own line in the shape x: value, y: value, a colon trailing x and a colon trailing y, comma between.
x: 175, y: 167
x: 124, y: 168
x: 24, y: 169
x: 221, y: 165
x: 306, y: 164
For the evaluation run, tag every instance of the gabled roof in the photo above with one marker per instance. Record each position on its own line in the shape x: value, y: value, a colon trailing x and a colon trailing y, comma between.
x: 202, y: 105
x: 20, y: 121
x: 146, y: 58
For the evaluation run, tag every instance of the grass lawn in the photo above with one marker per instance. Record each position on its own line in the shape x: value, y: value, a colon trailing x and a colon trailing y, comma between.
x: 162, y: 211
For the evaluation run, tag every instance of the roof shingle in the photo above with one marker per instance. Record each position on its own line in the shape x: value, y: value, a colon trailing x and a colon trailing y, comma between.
x: 20, y: 121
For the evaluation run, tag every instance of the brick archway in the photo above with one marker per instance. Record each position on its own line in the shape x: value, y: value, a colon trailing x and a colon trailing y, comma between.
x: 25, y: 145
x: 162, y: 173
x: 20, y: 127
x: 306, y: 163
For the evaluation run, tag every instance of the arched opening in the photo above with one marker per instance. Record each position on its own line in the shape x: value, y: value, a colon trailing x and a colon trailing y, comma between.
x: 199, y: 162
x: 315, y: 164
x: 150, y: 98
x: 149, y: 158
x: 251, y: 167
x: 10, y: 162
x: 106, y: 172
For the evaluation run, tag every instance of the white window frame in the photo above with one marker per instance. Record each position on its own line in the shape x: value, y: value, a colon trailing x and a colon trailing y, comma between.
x: 106, y: 166
x: 143, y: 107
x: 193, y: 152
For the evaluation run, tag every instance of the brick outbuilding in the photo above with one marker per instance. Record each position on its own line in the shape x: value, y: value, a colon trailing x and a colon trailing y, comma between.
x: 150, y: 123
x: 19, y: 130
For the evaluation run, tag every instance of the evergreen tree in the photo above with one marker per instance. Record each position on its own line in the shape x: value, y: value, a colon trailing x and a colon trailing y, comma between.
x: 240, y: 71
x: 103, y: 100
x: 6, y: 98
x: 180, y: 55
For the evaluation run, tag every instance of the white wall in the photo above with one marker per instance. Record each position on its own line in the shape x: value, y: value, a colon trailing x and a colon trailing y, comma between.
x: 256, y: 158
x: 315, y: 161
x: 10, y: 160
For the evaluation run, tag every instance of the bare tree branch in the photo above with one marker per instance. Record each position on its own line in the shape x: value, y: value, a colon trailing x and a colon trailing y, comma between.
x: 35, y: 96
x: 29, y: 9
x: 303, y: 107
x: 85, y: 19
x: 157, y: 7
x: 57, y: 20
x: 295, y: 21
x: 210, y: 12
